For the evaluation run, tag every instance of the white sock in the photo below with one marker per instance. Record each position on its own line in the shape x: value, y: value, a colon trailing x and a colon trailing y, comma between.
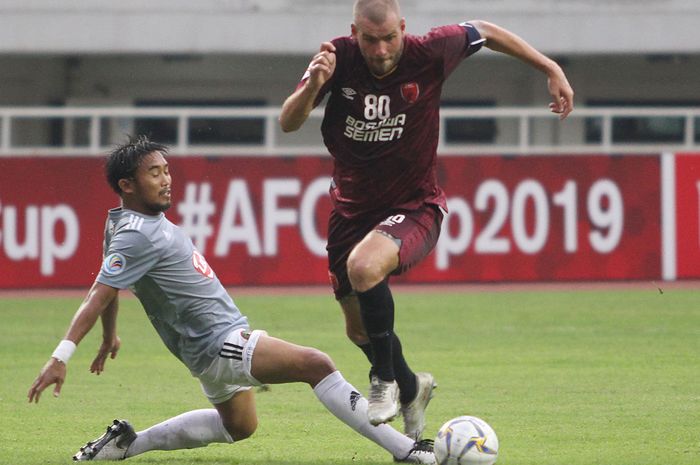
x: 197, y: 428
x: 346, y: 403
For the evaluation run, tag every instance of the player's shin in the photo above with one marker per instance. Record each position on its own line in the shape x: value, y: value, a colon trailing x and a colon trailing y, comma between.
x: 405, y: 377
x: 197, y: 428
x: 350, y: 407
x: 377, y: 310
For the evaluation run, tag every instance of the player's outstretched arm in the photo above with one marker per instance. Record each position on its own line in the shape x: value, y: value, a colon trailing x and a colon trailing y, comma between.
x: 97, y: 300
x: 110, y: 341
x: 504, y: 41
x: 298, y: 106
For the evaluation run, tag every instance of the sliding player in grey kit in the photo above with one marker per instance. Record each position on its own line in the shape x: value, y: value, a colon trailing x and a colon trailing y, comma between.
x: 200, y: 325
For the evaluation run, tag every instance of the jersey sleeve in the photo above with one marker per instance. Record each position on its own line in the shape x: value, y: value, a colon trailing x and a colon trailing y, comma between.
x: 454, y: 43
x: 129, y: 257
x: 107, y: 237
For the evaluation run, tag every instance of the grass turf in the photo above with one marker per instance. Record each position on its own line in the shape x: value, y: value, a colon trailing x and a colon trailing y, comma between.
x: 585, y: 377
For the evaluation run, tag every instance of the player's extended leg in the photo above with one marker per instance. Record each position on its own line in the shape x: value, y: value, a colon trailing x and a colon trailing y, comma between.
x: 234, y: 420
x: 355, y: 330
x: 395, y: 245
x: 415, y: 389
x: 278, y: 361
x: 368, y: 266
x: 274, y: 361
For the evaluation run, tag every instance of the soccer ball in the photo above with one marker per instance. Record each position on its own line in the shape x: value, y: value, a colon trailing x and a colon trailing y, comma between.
x: 466, y: 441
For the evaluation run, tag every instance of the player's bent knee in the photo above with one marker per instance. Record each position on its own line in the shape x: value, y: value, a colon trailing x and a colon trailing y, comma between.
x: 320, y: 361
x: 318, y: 365
x: 363, y: 273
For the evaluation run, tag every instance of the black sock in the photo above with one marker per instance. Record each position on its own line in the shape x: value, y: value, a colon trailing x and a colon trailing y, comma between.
x: 369, y: 353
x: 367, y: 349
x: 377, y: 310
x: 405, y: 378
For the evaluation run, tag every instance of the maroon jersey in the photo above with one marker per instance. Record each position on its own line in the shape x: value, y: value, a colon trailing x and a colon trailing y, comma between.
x: 383, y: 133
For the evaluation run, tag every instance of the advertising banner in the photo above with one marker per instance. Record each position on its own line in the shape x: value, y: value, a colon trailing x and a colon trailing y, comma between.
x: 531, y: 218
x: 262, y: 220
x: 688, y: 215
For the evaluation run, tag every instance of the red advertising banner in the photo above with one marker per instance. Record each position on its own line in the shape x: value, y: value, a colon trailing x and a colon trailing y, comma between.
x: 52, y: 212
x: 688, y: 215
x: 262, y: 220
x: 531, y: 218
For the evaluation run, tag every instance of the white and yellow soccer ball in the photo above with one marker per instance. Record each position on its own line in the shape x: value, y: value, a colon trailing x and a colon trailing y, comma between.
x: 466, y: 440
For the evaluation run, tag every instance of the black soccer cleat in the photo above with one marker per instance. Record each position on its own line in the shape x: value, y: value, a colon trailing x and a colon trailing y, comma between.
x: 422, y: 452
x: 110, y: 446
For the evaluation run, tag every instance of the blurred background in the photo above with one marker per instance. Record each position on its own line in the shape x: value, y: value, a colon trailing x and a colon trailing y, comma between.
x: 611, y: 193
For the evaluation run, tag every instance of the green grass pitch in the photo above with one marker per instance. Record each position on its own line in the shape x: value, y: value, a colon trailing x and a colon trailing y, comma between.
x: 565, y: 378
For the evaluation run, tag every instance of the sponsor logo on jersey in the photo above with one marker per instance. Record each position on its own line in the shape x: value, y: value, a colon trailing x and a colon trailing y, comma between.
x: 114, y: 264
x: 410, y: 92
x: 349, y: 93
x: 201, y: 265
x: 375, y: 131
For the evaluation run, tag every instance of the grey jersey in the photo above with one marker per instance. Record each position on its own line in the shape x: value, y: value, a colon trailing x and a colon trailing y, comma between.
x: 182, y: 296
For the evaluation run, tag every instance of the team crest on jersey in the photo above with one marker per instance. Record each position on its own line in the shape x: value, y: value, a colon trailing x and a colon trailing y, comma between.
x: 114, y: 264
x: 410, y: 92
x: 201, y: 265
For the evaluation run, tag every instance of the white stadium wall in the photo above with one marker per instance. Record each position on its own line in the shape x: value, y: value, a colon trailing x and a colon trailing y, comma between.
x: 287, y: 26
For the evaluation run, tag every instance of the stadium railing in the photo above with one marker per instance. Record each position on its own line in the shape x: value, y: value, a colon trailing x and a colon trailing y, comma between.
x: 49, y: 131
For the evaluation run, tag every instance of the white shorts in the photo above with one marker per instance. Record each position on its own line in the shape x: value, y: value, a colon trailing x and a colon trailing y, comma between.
x: 230, y: 370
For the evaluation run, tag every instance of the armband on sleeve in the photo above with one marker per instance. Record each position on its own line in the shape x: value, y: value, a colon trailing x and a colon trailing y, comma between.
x: 474, y: 39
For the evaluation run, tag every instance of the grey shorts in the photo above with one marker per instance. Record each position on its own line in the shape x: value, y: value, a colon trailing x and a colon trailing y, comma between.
x: 230, y: 370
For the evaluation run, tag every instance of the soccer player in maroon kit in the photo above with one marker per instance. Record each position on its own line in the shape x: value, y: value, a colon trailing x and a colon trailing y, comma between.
x: 381, y: 125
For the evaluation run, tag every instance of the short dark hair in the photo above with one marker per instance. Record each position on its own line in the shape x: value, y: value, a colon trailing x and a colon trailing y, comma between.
x: 124, y: 160
x: 375, y: 10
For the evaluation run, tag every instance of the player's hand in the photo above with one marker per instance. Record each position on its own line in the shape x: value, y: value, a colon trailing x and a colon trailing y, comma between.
x: 322, y: 65
x: 54, y: 372
x: 109, y: 348
x: 562, y: 94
